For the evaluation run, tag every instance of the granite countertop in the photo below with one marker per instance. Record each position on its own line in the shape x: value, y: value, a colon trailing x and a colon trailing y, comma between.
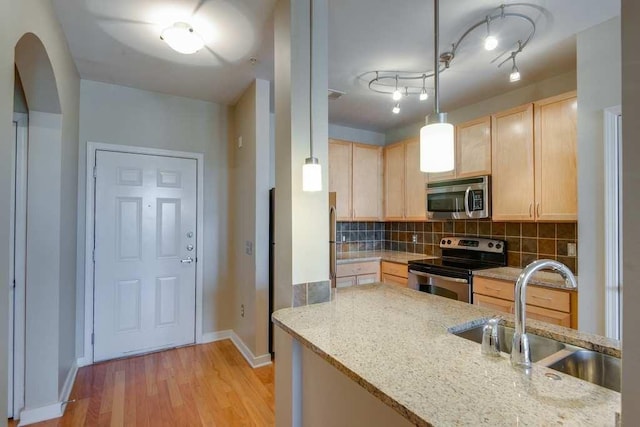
x: 541, y: 278
x: 391, y: 256
x: 396, y: 344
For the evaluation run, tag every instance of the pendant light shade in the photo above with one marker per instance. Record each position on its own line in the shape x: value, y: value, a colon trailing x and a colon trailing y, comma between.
x: 311, y: 175
x: 437, y: 147
x: 437, y: 150
x: 311, y: 170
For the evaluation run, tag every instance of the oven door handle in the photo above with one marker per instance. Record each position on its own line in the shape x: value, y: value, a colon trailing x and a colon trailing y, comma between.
x: 466, y: 202
x: 436, y: 276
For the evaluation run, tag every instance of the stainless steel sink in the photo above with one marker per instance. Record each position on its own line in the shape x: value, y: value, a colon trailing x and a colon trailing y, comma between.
x: 591, y: 366
x: 540, y: 347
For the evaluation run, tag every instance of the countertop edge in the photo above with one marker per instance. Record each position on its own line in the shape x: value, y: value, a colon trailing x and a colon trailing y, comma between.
x: 375, y: 391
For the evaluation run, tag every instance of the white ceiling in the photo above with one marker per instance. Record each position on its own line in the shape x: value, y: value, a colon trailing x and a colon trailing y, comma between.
x: 117, y: 41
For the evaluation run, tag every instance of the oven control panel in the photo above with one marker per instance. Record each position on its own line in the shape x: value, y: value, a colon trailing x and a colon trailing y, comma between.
x: 473, y: 244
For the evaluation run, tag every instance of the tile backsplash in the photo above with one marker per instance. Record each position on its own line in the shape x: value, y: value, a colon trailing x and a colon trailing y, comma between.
x: 526, y: 241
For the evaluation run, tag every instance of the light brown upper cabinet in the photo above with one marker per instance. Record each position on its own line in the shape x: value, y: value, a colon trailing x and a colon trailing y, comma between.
x: 512, y: 183
x: 473, y: 148
x: 340, y: 176
x: 355, y: 174
x: 404, y: 188
x: 555, y: 121
x: 473, y: 151
x: 394, y: 182
x: 366, y: 189
x: 534, y: 161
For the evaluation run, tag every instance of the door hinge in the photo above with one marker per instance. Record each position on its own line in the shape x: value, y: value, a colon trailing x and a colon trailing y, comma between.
x: 93, y: 338
x: 93, y: 255
x: 95, y: 172
x: 14, y: 283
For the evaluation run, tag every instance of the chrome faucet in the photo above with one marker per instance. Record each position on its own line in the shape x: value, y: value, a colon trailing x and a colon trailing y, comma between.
x: 520, y: 351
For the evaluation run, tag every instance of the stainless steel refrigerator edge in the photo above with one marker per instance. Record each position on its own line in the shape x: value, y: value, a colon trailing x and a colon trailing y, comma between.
x: 333, y: 261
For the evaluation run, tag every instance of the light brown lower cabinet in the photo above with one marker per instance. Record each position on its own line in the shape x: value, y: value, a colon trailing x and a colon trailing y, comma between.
x: 357, y: 273
x: 394, y: 273
x: 555, y: 306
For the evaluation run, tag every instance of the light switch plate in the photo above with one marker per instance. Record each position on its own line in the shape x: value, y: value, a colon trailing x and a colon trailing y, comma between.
x: 571, y: 249
x: 248, y: 247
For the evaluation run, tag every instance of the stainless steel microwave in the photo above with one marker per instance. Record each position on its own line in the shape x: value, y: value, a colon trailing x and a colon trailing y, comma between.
x: 466, y: 198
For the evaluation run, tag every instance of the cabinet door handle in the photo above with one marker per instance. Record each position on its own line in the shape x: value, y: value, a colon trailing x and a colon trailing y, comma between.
x: 542, y: 298
x: 538, y: 210
x: 530, y: 210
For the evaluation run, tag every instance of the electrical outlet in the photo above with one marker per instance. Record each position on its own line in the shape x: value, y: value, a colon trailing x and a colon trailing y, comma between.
x: 571, y: 249
x: 414, y: 238
x: 240, y: 142
x: 248, y: 247
x: 344, y: 238
x: 241, y: 310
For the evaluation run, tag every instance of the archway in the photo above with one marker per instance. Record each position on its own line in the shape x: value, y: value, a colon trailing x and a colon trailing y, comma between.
x: 38, y: 134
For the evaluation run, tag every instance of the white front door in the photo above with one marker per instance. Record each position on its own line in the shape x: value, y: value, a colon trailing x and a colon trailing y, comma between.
x: 145, y: 246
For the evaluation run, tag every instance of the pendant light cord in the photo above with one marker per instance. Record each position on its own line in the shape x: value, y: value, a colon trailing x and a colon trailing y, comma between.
x: 311, y: 78
x: 436, y: 55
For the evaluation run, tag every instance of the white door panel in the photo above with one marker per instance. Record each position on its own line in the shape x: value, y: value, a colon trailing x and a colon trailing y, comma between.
x: 145, y: 225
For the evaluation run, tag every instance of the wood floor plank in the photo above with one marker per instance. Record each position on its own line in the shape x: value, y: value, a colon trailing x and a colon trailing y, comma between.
x: 205, y: 385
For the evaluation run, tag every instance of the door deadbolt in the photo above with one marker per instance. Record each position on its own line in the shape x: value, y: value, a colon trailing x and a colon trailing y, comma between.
x: 189, y: 248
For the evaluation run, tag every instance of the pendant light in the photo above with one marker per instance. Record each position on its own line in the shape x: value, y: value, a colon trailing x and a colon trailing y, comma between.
x: 311, y: 170
x: 437, y: 137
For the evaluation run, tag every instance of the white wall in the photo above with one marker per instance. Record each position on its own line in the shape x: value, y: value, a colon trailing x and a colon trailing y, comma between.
x: 124, y: 116
x: 249, y: 215
x: 49, y: 308
x: 356, y: 135
x: 532, y: 92
x: 631, y: 222
x: 599, y: 87
x: 302, y: 254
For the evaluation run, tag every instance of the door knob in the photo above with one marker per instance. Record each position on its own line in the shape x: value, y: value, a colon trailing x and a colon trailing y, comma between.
x: 187, y: 260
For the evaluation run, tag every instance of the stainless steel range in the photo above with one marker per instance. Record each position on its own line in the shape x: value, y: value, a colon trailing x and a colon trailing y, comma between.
x: 452, y: 275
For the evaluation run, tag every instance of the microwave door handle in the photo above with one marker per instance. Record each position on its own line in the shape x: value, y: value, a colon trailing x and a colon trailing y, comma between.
x: 466, y: 202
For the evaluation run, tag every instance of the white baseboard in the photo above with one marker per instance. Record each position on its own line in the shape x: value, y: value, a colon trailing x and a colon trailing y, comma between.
x: 254, y: 361
x: 56, y: 410
x: 215, y: 336
x: 83, y: 361
x: 42, y: 413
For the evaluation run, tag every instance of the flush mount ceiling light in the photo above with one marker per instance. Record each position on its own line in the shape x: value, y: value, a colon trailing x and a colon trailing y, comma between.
x: 414, y: 83
x: 182, y: 38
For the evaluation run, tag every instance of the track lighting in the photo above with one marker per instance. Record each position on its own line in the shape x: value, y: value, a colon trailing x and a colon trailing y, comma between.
x: 490, y: 42
x: 515, y: 73
x: 412, y: 83
x: 423, y: 94
x: 397, y: 95
x: 396, y: 109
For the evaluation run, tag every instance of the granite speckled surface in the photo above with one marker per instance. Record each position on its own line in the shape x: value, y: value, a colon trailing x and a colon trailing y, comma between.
x: 396, y: 344
x: 391, y: 256
x: 541, y: 278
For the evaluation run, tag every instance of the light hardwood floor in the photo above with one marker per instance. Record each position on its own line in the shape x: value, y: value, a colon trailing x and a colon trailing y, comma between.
x: 204, y: 385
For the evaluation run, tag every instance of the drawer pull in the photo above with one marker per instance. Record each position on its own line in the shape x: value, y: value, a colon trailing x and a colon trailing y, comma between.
x: 542, y: 298
x: 493, y: 289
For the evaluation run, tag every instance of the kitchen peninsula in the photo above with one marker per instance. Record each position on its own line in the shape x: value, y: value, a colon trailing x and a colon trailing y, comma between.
x: 381, y: 355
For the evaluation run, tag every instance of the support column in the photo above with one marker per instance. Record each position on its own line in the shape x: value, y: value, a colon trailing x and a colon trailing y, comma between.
x: 302, y: 219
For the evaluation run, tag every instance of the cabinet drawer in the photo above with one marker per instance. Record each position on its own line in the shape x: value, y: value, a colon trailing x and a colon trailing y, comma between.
x: 494, y: 288
x: 493, y: 303
x: 357, y: 268
x: 549, y: 298
x: 367, y: 279
x: 394, y: 280
x: 345, y: 282
x: 549, y: 316
x: 395, y: 269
